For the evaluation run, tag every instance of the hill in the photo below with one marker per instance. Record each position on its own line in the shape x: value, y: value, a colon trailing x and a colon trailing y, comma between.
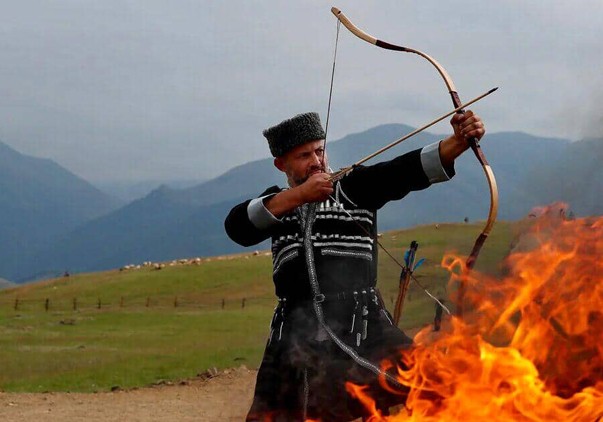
x: 39, y: 200
x: 170, y: 223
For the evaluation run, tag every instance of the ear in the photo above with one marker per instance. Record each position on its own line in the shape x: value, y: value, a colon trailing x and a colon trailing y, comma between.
x: 279, y: 163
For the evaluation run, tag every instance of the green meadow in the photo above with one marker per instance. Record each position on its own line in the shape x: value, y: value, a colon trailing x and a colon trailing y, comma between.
x: 127, y: 329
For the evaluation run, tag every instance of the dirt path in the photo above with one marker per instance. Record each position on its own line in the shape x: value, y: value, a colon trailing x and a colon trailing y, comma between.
x: 226, y: 397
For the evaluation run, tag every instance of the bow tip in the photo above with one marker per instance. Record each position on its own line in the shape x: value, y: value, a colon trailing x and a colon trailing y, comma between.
x: 335, y: 11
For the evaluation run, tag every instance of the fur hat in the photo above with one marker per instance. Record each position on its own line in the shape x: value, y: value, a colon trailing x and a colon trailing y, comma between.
x: 293, y: 132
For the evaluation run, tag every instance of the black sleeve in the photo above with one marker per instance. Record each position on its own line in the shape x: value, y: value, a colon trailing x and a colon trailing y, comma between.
x: 371, y: 187
x: 239, y: 227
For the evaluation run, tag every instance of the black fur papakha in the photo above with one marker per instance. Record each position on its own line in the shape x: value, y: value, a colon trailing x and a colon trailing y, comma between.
x: 293, y: 132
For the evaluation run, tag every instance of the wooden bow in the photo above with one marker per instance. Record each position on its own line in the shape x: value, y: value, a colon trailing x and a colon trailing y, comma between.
x: 473, y: 143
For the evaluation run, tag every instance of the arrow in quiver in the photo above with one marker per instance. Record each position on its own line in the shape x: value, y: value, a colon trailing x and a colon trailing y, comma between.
x: 405, y: 274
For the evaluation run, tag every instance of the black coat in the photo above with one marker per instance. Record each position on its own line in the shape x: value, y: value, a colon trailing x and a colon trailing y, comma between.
x: 318, y: 343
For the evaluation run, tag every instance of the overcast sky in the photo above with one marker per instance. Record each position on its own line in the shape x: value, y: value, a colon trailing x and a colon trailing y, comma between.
x: 147, y: 89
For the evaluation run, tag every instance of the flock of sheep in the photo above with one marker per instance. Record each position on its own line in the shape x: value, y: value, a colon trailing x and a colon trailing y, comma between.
x: 189, y: 261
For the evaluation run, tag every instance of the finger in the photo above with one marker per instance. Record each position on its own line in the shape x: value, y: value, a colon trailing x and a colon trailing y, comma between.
x: 471, y: 131
x: 464, y: 115
x: 478, y: 134
x: 457, y: 119
x: 474, y: 132
x: 472, y: 124
x: 471, y: 121
x: 464, y: 120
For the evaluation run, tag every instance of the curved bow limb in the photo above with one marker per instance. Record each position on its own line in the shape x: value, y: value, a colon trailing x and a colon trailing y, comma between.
x: 473, y: 143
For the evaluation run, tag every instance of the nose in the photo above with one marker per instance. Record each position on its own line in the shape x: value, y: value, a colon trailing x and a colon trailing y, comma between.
x: 316, y: 159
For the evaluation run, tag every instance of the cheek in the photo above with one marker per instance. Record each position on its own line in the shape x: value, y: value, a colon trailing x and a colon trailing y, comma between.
x: 302, y: 166
x: 297, y: 168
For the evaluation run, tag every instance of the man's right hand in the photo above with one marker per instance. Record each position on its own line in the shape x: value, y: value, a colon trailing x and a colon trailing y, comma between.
x: 317, y: 188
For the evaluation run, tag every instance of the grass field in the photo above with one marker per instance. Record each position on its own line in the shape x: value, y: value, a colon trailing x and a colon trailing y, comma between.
x: 92, y: 332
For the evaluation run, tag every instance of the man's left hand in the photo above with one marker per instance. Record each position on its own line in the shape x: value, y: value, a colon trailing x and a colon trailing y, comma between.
x: 466, y: 126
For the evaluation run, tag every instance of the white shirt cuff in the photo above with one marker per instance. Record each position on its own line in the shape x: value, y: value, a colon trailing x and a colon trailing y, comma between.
x: 432, y: 164
x: 259, y: 215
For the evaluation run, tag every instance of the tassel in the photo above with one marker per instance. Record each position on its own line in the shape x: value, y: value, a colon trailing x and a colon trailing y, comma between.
x: 364, y: 322
x: 354, y: 312
x: 280, y: 330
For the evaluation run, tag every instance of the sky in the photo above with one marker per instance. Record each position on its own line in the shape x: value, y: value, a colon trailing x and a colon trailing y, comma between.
x: 136, y: 90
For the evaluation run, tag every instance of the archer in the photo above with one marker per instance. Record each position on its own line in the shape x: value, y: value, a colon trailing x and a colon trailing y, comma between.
x: 330, y: 325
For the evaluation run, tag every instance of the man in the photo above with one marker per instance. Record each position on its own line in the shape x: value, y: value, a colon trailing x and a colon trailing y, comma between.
x: 330, y: 325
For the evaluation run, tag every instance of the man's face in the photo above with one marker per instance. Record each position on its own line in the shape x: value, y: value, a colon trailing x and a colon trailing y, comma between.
x: 303, y: 161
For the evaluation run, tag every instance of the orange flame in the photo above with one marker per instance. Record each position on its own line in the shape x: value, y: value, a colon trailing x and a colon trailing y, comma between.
x: 531, y: 346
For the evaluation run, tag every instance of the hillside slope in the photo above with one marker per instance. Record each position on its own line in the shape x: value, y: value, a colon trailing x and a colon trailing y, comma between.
x: 39, y: 200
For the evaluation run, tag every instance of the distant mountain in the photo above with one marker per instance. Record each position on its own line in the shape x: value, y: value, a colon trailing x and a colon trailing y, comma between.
x: 39, y: 200
x: 158, y: 227
x: 173, y: 223
x: 129, y: 191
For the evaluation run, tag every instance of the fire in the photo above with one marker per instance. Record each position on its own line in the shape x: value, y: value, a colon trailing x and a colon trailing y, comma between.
x: 530, y: 346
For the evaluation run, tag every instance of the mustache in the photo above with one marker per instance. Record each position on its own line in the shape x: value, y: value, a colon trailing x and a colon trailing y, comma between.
x: 315, y: 168
x: 310, y: 171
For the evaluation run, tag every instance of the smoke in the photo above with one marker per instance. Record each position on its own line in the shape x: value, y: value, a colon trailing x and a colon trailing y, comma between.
x: 592, y: 117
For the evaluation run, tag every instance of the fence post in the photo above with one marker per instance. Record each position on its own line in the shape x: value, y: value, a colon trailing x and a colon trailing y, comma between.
x: 16, y: 304
x: 121, y: 302
x: 223, y: 303
x: 98, y: 304
x: 176, y: 302
x: 75, y: 303
x: 47, y: 304
x: 148, y: 302
x: 243, y: 303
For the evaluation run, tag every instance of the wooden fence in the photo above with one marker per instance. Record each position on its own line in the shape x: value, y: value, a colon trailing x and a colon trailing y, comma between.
x: 75, y: 304
x: 49, y: 304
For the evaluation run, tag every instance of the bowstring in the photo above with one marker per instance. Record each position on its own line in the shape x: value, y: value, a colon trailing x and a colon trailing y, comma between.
x: 331, y: 86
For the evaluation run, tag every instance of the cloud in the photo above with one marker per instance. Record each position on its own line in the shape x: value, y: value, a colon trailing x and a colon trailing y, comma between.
x: 152, y: 90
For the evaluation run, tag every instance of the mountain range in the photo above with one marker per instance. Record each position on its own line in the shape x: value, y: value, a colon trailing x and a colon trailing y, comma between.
x: 40, y: 200
x: 53, y: 221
